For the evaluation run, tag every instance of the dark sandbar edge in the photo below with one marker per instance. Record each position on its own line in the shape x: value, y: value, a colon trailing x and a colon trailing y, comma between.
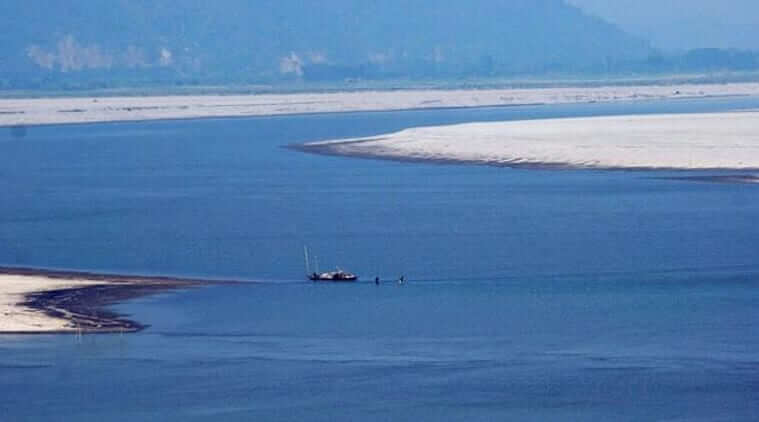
x: 86, y: 307
x: 337, y: 149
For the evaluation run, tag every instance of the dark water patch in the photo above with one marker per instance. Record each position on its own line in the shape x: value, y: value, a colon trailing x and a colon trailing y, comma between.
x: 211, y: 335
x: 620, y: 369
x: 23, y: 366
x: 729, y: 178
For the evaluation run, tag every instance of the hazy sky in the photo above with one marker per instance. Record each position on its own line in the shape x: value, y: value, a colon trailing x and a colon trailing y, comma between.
x: 680, y: 24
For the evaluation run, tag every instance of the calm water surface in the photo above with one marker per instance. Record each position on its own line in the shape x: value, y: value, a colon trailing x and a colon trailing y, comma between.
x: 534, y: 295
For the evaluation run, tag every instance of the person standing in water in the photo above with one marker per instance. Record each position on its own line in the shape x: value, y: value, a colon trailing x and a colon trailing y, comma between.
x: 376, y: 280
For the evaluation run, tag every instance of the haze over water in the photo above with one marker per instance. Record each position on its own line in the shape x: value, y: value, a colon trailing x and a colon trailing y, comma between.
x: 533, y: 295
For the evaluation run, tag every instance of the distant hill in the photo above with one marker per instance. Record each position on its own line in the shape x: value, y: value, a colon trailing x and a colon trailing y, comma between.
x: 92, y: 43
x: 677, y: 25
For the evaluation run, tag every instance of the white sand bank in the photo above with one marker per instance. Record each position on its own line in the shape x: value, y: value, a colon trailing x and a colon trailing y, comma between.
x: 83, y: 110
x: 17, y: 318
x: 675, y: 141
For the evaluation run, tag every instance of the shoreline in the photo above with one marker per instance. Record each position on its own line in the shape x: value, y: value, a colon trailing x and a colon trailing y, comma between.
x: 39, y: 301
x: 702, y: 142
x: 23, y: 112
x: 331, y: 150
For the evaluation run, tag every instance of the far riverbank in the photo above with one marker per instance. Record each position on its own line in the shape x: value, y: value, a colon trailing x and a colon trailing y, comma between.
x: 22, y: 112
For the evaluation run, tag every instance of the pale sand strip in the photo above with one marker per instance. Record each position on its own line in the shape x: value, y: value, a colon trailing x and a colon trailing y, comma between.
x: 15, y: 317
x: 46, y: 301
x: 15, y: 112
x: 675, y: 141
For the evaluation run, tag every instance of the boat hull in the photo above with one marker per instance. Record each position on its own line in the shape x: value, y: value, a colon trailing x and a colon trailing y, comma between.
x: 334, y: 280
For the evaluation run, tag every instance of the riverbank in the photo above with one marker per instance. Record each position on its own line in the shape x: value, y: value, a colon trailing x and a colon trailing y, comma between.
x: 46, y: 111
x: 706, y: 141
x: 40, y: 301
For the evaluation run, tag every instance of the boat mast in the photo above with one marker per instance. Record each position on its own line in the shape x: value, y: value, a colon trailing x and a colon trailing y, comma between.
x: 305, y: 255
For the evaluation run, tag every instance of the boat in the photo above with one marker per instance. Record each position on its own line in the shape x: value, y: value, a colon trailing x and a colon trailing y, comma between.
x: 332, y: 276
x: 338, y: 276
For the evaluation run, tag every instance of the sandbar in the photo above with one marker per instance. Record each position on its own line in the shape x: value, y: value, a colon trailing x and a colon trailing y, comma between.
x: 705, y: 141
x: 43, y: 302
x: 69, y: 110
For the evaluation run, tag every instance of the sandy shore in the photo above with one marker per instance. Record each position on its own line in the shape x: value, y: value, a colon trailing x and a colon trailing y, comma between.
x: 675, y: 141
x: 38, y: 301
x: 15, y: 112
x: 15, y: 317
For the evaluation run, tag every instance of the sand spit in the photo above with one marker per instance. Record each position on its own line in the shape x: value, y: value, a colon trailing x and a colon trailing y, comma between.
x: 20, y: 112
x: 727, y: 141
x: 38, y: 301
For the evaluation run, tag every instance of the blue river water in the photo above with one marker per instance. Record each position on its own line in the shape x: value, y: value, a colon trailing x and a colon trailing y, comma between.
x: 532, y: 294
